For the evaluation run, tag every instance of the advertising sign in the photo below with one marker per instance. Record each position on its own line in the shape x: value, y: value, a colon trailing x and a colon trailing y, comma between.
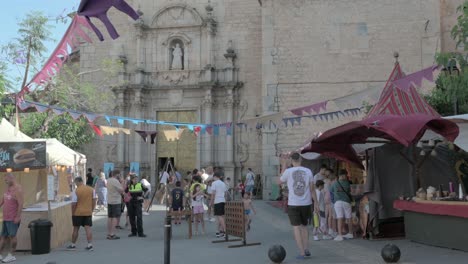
x: 135, y: 168
x: 108, y: 168
x: 20, y: 155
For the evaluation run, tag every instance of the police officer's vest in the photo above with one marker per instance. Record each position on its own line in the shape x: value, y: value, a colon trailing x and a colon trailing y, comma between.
x: 135, y: 188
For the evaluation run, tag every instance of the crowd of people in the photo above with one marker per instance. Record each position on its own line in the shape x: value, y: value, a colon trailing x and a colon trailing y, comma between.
x: 202, y: 192
x: 321, y: 200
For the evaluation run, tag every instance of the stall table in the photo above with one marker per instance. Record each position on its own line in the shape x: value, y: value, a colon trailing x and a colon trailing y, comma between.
x: 436, y: 223
x: 61, y: 218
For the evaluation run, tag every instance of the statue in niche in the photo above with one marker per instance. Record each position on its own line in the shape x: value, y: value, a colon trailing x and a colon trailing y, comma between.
x: 177, y: 58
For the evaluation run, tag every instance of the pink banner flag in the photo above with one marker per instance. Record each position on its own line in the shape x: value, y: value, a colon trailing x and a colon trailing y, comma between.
x: 415, y: 78
x: 60, y: 54
x: 308, y: 109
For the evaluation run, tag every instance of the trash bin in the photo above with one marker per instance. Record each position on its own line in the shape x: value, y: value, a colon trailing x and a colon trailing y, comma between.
x: 40, y: 236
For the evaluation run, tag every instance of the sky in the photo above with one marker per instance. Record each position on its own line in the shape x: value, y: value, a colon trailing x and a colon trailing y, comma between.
x: 13, y: 11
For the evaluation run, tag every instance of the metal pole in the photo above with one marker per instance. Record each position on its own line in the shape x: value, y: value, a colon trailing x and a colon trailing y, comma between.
x: 167, y: 240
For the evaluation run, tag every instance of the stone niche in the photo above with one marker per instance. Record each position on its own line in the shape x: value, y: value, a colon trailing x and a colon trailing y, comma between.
x: 179, y: 41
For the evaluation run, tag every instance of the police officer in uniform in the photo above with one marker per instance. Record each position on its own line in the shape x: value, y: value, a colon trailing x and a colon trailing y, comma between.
x: 136, y: 191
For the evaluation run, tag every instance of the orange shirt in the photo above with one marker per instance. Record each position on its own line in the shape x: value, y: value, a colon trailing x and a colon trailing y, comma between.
x: 83, y: 197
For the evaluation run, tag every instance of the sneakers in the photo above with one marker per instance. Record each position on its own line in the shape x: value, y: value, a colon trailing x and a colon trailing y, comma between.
x: 89, y: 248
x: 316, y: 238
x: 348, y: 236
x: 307, y: 253
x: 71, y: 247
x: 338, y: 238
x: 141, y: 235
x: 326, y: 237
x: 9, y: 258
x: 212, y: 219
x: 220, y: 234
x: 145, y: 213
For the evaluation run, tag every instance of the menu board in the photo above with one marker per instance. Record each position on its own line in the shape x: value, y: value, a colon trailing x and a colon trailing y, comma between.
x: 20, y: 155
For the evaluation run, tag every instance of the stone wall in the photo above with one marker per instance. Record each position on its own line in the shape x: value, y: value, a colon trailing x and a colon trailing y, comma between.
x: 289, y: 53
x: 321, y: 50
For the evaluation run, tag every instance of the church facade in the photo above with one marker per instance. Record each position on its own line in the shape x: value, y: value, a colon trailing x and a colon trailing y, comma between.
x: 221, y: 61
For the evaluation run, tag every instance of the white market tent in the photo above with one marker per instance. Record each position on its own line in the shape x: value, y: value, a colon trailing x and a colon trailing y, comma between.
x: 57, y: 153
x: 462, y: 121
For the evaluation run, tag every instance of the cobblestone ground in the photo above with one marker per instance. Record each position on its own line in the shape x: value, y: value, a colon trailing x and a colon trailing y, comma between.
x: 270, y: 226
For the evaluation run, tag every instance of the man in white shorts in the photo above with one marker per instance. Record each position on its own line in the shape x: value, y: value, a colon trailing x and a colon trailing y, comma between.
x: 341, y: 193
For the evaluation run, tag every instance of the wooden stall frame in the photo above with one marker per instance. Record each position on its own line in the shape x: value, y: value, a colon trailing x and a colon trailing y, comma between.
x: 235, y: 224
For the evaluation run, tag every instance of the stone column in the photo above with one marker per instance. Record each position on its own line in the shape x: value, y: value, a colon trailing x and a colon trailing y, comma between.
x: 228, y: 104
x: 229, y: 164
x: 140, y: 50
x: 121, y: 137
x: 207, y: 146
x: 211, y: 32
x: 270, y: 58
x: 138, y: 110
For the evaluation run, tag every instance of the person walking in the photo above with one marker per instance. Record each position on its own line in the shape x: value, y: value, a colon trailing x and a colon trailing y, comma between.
x: 114, y: 203
x: 341, y: 192
x: 198, y: 197
x: 249, y: 182
x: 89, y: 177
x: 83, y: 204
x: 301, y: 193
x: 101, y: 191
x: 218, y: 201
x: 134, y: 209
x: 177, y: 202
x: 146, y: 195
x: 12, y: 202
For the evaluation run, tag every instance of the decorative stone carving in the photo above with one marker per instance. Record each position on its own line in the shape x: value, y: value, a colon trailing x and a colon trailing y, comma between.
x: 229, y: 100
x: 274, y: 56
x: 177, y: 16
x: 111, y: 152
x: 176, y: 77
x: 208, y: 99
x: 230, y: 54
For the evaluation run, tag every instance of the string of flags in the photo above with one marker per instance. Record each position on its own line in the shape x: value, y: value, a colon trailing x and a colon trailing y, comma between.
x: 195, y: 128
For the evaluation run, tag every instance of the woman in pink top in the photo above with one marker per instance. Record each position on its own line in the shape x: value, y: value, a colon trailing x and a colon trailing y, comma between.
x: 12, y: 202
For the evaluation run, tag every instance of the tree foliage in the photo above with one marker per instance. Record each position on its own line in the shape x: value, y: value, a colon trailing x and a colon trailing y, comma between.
x: 450, y: 96
x: 66, y: 90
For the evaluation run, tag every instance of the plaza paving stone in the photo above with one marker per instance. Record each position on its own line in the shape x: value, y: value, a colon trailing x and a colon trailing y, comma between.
x: 270, y: 226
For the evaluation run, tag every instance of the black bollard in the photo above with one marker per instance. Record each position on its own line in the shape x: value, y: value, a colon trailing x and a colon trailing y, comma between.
x: 167, y: 240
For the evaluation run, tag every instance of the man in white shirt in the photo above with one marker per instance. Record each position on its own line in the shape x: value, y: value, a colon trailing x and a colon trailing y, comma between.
x: 218, y: 189
x: 163, y: 177
x: 204, y: 175
x: 301, y: 193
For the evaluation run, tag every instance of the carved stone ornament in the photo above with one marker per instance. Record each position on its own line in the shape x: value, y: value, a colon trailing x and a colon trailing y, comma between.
x: 176, y: 77
x: 177, y: 15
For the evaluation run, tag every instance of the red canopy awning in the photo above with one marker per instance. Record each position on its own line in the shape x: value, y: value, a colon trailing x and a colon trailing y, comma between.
x: 399, y: 116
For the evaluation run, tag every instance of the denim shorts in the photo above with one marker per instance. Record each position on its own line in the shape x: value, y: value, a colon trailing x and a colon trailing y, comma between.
x: 9, y: 229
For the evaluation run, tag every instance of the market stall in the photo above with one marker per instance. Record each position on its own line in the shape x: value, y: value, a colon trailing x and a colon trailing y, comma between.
x: 435, y: 223
x: 403, y: 165
x: 44, y: 175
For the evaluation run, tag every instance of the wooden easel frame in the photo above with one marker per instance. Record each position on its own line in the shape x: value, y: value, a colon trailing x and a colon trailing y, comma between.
x: 167, y: 165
